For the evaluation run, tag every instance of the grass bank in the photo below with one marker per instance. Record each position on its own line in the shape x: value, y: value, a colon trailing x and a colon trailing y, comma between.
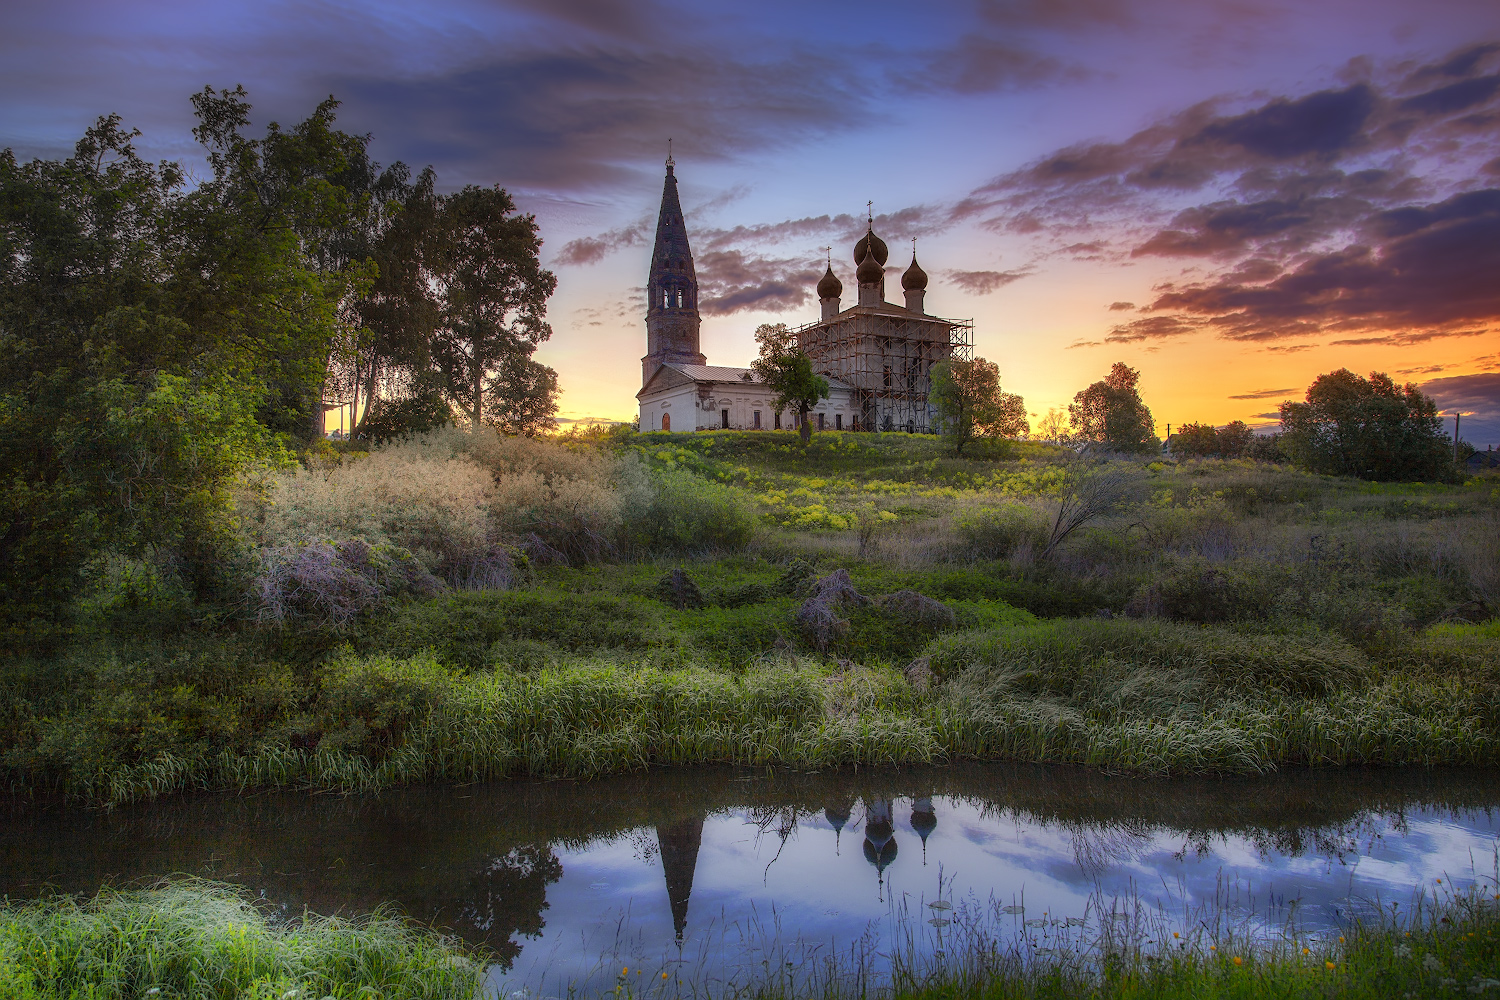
x: 1149, y: 696
x: 457, y: 608
x: 201, y: 939
x: 196, y: 939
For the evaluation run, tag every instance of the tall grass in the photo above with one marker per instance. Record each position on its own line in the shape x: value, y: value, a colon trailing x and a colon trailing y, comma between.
x: 200, y: 939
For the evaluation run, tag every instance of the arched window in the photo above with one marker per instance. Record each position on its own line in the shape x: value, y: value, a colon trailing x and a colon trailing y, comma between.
x: 666, y: 421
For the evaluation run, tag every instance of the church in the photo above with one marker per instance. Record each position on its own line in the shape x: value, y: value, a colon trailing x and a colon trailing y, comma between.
x: 875, y: 354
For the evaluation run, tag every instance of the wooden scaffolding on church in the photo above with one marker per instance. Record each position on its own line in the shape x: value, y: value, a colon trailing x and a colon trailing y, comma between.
x: 886, y: 356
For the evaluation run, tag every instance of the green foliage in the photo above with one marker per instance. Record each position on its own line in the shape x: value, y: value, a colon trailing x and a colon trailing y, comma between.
x: 188, y: 938
x: 788, y: 372
x: 1004, y: 530
x: 367, y: 705
x: 155, y: 340
x: 969, y: 403
x: 684, y: 513
x: 1233, y: 440
x: 1111, y: 412
x: 1369, y: 428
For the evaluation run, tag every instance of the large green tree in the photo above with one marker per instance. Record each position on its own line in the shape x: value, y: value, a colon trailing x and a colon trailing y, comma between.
x: 788, y: 372
x: 155, y: 337
x: 1370, y: 428
x: 1111, y: 412
x: 483, y: 266
x: 970, y: 403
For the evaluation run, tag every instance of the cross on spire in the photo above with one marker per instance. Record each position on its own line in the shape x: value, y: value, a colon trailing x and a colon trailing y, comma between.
x: 870, y: 213
x: 670, y: 162
x: 829, y: 251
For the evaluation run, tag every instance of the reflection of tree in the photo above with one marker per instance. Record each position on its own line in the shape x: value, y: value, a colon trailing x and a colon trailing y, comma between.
x: 507, y: 898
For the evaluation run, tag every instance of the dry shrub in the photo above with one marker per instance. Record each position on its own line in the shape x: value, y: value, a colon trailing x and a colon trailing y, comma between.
x: 437, y: 508
x: 332, y: 585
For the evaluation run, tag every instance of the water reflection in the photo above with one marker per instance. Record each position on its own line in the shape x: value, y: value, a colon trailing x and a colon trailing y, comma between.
x: 566, y: 880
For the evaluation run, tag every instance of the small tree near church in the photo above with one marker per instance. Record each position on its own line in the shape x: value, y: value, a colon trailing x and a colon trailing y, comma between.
x: 788, y: 372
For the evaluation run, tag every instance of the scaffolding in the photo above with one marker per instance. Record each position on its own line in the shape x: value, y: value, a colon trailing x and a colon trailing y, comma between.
x: 886, y: 356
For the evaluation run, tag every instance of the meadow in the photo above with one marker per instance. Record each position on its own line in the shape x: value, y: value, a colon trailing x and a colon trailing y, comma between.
x: 464, y: 607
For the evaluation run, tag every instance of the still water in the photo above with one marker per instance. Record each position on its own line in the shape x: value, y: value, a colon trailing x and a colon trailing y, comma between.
x: 719, y: 873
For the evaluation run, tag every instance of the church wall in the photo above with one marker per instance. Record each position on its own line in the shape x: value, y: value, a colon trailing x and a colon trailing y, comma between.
x: 688, y: 414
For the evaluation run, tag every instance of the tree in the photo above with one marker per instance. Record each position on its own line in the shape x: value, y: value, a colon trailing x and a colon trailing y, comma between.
x: 155, y: 339
x: 484, y: 266
x: 788, y: 372
x: 523, y: 396
x: 970, y: 404
x: 1202, y: 440
x: 1054, y: 426
x: 1370, y: 428
x: 1112, y: 413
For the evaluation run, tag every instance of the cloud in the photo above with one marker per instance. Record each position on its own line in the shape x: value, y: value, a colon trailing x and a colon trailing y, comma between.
x: 1348, y: 210
x: 1477, y: 397
x: 1265, y: 393
x: 731, y: 281
x: 1272, y: 415
x: 1290, y: 348
x: 984, y: 282
x: 592, y: 249
x: 1121, y: 306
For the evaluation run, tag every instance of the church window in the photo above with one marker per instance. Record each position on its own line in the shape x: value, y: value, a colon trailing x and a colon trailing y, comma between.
x: 757, y: 420
x: 778, y: 420
x: 724, y: 419
x: 666, y: 421
x: 838, y: 421
x: 820, y: 421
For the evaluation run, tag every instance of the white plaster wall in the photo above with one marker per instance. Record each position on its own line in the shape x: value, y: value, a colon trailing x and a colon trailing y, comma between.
x: 741, y: 400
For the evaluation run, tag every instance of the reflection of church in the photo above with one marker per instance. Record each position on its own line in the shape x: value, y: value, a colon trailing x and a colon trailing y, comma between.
x: 875, y: 354
x: 680, y: 842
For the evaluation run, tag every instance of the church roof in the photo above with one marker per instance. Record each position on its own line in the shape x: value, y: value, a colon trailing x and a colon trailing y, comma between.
x: 663, y: 378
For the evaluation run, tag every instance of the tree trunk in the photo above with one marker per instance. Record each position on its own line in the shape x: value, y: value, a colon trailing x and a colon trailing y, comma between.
x: 804, y: 427
x: 478, y: 389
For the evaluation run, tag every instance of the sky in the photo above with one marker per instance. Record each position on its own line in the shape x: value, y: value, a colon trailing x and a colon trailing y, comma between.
x: 1230, y: 196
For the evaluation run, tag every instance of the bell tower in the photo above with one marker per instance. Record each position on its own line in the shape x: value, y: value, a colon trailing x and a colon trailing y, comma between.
x: 672, y: 321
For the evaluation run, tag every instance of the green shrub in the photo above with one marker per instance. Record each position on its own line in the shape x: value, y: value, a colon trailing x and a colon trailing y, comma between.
x: 1110, y: 665
x: 1003, y: 531
x: 1196, y: 590
x: 685, y: 513
x: 463, y: 627
x: 367, y: 705
x: 128, y: 594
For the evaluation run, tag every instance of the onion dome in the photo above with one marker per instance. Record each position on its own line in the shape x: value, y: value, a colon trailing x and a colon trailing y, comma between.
x: 870, y: 243
x: 915, y: 279
x: 829, y: 286
x: 869, y: 271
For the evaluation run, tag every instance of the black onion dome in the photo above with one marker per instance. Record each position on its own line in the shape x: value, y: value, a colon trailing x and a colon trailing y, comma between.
x: 870, y: 242
x: 829, y: 286
x: 915, y: 279
x: 869, y: 271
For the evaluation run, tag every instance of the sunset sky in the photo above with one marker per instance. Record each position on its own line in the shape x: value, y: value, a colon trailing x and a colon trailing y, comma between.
x: 1230, y: 195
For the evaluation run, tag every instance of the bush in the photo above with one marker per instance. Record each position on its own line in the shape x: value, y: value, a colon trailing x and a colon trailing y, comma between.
x: 684, y: 513
x: 1006, y: 531
x: 1196, y: 590
x: 126, y: 594
x: 367, y: 705
x: 1150, y: 668
x: 331, y: 584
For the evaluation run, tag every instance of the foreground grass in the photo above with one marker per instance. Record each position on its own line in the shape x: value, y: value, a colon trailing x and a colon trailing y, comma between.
x: 201, y: 939
x: 196, y: 939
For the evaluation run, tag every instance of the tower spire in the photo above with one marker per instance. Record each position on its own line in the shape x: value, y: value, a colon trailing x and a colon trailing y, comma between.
x: 672, y: 320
